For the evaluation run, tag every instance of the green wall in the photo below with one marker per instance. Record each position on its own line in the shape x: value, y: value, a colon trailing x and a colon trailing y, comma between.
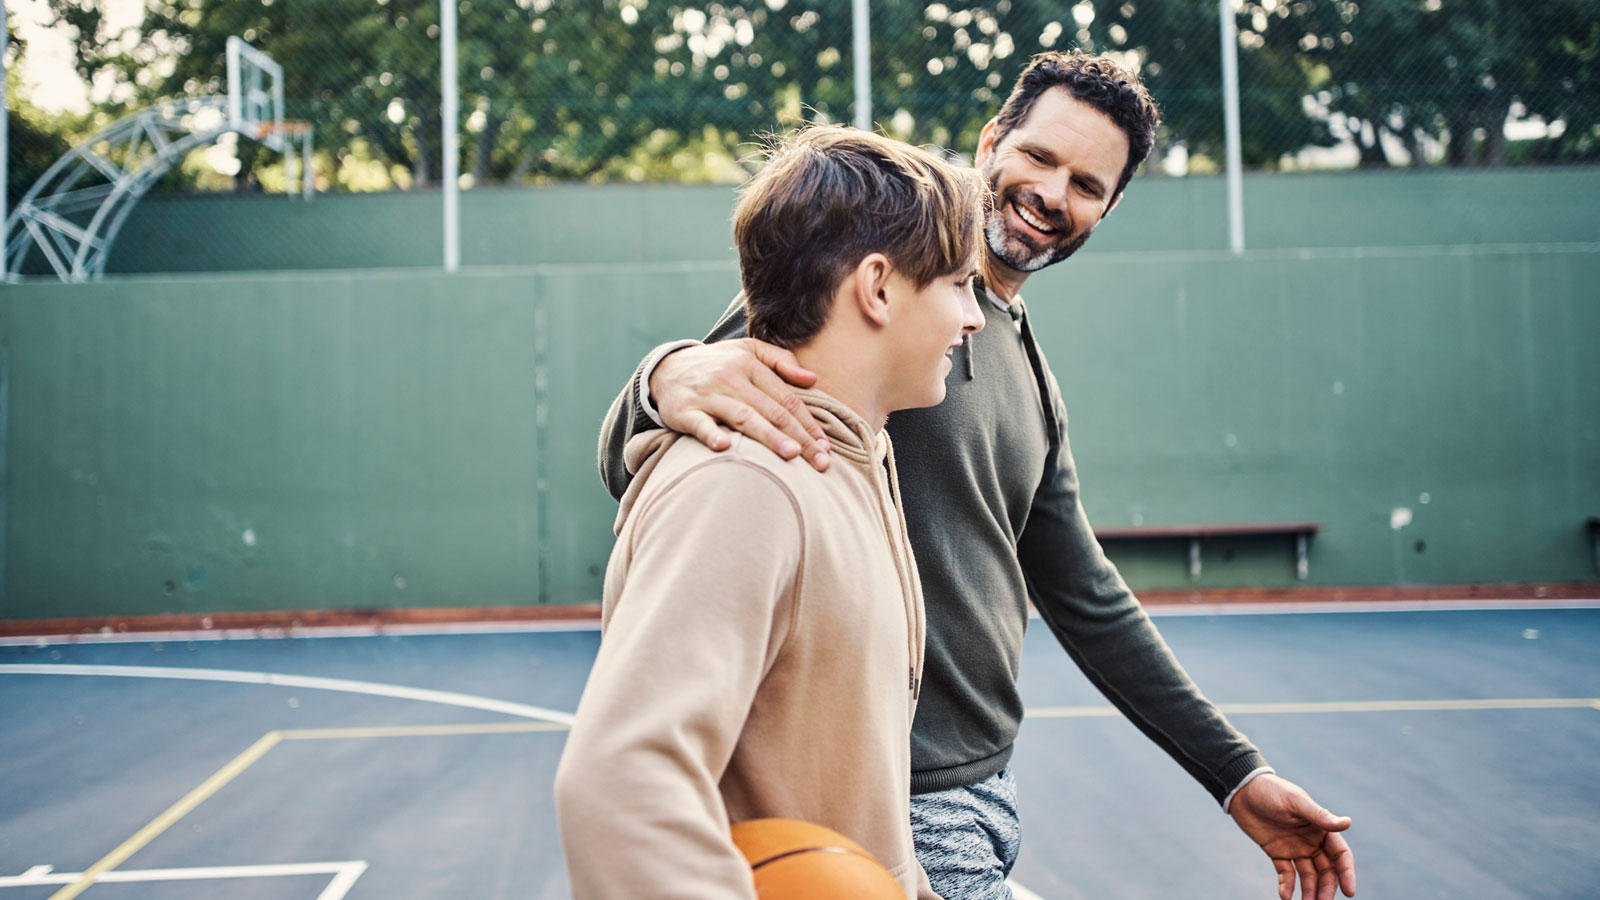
x: 1461, y: 385
x: 655, y: 223
x: 409, y: 438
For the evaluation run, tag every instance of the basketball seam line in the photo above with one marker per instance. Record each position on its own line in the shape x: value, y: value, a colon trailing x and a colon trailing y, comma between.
x: 788, y: 853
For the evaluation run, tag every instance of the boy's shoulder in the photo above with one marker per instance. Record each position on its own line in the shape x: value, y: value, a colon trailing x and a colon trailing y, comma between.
x: 676, y: 455
x: 746, y: 474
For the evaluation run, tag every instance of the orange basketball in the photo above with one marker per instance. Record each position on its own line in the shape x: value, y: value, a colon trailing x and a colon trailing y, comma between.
x: 800, y: 861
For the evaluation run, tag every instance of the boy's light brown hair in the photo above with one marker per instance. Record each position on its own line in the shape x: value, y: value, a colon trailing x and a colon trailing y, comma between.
x: 828, y: 197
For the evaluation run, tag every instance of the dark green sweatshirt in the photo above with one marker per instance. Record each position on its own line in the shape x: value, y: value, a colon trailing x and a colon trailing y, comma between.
x: 991, y: 501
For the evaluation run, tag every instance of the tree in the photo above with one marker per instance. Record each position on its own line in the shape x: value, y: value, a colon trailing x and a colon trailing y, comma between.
x: 37, y: 138
x: 599, y: 90
x: 1447, y: 71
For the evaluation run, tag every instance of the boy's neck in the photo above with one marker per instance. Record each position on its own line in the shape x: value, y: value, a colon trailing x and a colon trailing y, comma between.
x: 849, y: 373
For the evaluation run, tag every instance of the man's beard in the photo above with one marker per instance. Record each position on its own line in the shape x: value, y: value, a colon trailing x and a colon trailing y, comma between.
x: 1018, y: 252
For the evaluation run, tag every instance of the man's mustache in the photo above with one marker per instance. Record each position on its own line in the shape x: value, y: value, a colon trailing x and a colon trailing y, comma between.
x: 1035, y: 204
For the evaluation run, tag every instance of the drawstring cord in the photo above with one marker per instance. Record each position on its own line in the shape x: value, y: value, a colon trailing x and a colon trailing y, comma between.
x: 1019, y: 314
x: 890, y: 507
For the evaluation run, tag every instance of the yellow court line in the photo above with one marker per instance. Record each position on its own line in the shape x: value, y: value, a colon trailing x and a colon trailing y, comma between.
x: 257, y: 750
x: 164, y: 821
x: 1090, y: 712
x: 311, y: 734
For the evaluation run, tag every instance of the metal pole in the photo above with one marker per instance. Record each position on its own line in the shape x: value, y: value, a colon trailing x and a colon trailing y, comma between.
x: 5, y: 136
x: 452, y: 188
x: 863, y: 66
x: 1230, y: 107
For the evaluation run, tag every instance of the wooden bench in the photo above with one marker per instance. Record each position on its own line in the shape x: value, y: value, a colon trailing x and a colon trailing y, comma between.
x: 1194, y: 534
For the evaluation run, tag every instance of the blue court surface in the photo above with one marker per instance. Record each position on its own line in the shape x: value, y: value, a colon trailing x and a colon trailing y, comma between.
x: 1465, y: 744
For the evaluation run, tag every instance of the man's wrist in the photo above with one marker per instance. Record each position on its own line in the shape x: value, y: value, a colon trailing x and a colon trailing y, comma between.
x: 649, y: 369
x: 1227, y: 802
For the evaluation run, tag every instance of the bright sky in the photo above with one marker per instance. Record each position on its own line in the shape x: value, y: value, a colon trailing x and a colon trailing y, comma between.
x: 46, y: 76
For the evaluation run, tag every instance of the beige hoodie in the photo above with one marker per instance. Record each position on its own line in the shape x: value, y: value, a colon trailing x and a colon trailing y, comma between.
x: 761, y: 656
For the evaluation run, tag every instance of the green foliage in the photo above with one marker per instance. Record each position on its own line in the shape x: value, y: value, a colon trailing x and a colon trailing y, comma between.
x: 36, y: 138
x: 1445, y: 72
x: 602, y: 90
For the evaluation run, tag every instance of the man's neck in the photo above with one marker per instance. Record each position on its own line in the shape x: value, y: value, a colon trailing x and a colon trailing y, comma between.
x: 1002, y: 281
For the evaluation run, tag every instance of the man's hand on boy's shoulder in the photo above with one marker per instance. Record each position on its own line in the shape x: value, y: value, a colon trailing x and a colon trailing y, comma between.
x: 741, y: 385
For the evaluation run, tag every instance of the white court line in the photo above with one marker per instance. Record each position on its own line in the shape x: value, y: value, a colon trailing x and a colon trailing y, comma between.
x: 1020, y: 892
x: 345, y: 874
x: 302, y: 631
x: 1156, y: 610
x: 447, y: 698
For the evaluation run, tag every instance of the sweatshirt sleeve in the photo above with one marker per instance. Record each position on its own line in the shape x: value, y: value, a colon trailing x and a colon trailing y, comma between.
x: 707, y: 601
x: 1084, y: 601
x: 627, y: 416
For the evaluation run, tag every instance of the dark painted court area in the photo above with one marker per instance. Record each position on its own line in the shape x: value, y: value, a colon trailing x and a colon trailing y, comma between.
x: 1382, y: 716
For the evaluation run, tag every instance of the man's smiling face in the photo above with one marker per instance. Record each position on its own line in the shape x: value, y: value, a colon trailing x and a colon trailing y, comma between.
x: 1053, y: 178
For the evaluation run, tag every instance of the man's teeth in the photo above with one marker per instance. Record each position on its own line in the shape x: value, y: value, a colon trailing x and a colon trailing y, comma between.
x: 1033, y: 220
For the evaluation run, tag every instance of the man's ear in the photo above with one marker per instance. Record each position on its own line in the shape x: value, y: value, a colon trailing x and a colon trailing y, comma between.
x: 869, y: 285
x: 985, y: 144
x: 1114, y: 201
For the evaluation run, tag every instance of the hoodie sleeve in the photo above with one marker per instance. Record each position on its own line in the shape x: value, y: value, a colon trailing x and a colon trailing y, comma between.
x: 707, y: 600
x: 627, y: 417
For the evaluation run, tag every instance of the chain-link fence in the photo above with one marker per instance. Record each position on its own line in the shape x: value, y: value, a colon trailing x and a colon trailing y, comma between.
x: 647, y: 90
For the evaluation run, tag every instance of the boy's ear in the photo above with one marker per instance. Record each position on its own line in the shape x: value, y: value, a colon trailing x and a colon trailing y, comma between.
x: 870, y: 288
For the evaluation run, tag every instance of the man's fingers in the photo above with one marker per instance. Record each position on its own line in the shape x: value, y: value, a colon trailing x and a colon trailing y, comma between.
x: 1308, y: 877
x: 705, y: 430
x: 1327, y: 821
x: 1285, y: 879
x: 784, y: 409
x: 783, y: 362
x: 1344, y: 862
x: 751, y: 422
x: 788, y: 410
x: 1327, y: 882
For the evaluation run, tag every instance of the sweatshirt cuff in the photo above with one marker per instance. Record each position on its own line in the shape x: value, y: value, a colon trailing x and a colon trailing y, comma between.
x: 649, y: 369
x: 1252, y: 776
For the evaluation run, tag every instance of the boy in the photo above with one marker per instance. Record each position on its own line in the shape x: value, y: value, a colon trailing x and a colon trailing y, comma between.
x: 763, y: 621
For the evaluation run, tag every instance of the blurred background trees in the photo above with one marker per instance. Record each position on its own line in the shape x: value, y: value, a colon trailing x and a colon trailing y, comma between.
x: 647, y: 90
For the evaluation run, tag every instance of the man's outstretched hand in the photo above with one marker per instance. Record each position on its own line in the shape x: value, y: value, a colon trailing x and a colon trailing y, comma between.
x: 741, y: 385
x: 1301, y: 838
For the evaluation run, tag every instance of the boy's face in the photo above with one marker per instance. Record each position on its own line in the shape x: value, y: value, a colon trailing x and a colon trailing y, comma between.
x: 925, y: 325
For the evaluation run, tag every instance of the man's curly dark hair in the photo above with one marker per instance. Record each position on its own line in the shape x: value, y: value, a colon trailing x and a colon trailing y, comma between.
x: 1096, y: 80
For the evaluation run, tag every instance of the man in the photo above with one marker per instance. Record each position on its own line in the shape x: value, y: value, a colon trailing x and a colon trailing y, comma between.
x: 763, y: 621
x: 991, y: 498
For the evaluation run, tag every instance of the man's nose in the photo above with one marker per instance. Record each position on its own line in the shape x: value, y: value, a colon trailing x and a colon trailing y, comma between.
x: 1054, y: 187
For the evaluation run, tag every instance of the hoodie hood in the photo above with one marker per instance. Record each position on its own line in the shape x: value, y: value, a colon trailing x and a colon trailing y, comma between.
x: 851, y: 440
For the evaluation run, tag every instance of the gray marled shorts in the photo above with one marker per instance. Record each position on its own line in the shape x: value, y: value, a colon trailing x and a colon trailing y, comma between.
x: 968, y: 837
